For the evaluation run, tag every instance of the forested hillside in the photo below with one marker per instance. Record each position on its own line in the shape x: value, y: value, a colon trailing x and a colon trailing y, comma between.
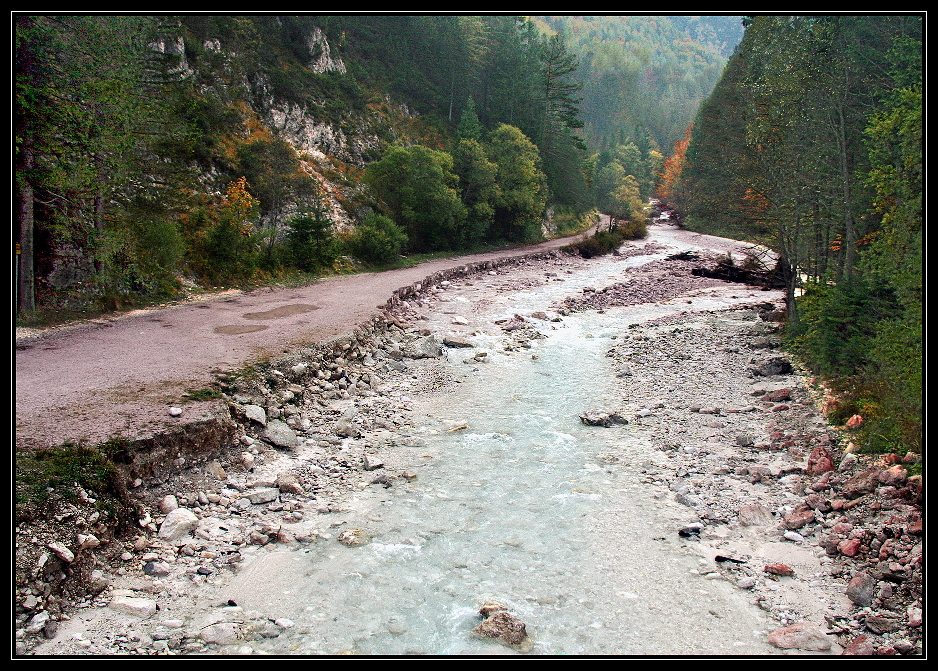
x: 152, y: 151
x: 230, y: 149
x: 811, y: 143
x: 644, y: 77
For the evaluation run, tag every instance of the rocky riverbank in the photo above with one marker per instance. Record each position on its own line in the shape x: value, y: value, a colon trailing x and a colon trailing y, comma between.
x: 827, y: 541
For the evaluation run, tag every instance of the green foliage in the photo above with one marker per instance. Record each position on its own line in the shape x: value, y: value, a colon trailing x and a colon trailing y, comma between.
x: 469, y: 126
x: 812, y: 143
x: 478, y: 190
x: 59, y: 471
x: 645, y: 74
x: 418, y: 186
x: 607, y: 241
x: 311, y: 242
x: 523, y: 189
x: 230, y: 255
x: 377, y: 241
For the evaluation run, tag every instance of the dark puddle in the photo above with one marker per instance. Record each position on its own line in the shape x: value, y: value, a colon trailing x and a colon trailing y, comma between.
x: 235, y: 330
x: 283, y: 311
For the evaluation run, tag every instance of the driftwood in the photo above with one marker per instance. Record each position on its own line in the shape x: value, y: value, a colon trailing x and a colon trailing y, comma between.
x: 769, y: 279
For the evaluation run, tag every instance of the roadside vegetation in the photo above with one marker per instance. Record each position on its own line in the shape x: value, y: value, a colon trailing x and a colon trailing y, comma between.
x: 811, y: 144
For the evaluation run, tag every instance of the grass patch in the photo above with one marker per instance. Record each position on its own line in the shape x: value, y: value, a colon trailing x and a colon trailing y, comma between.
x: 207, y: 394
x: 73, y: 474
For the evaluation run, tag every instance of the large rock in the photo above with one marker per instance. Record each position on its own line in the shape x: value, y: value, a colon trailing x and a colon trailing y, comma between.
x: 502, y: 626
x: 774, y: 366
x: 281, y: 434
x: 754, y: 514
x: 142, y: 608
x: 221, y: 633
x: 178, y: 524
x: 456, y: 341
x: 801, y: 636
x: 862, y: 589
x: 256, y: 413
x: 600, y: 418
x: 819, y: 461
x: 289, y: 482
x: 427, y: 347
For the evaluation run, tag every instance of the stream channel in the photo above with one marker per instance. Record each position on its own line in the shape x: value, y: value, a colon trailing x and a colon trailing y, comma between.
x: 522, y: 506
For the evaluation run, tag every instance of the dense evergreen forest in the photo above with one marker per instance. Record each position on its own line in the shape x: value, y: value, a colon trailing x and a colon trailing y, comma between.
x: 811, y: 144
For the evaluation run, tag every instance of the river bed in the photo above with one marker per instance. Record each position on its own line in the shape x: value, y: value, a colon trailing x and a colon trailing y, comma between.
x: 510, y: 496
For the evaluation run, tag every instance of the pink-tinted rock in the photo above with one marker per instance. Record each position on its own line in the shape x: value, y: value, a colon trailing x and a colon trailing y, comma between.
x: 861, y: 588
x: 801, y: 636
x: 861, y: 645
x: 778, y: 569
x: 798, y: 519
x: 849, y: 547
x: 819, y: 461
x: 862, y: 483
x: 855, y: 422
x: 894, y: 476
x: 754, y: 515
x: 777, y: 395
x: 817, y: 502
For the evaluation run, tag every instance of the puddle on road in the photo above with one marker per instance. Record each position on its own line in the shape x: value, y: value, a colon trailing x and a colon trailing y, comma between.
x: 283, y: 311
x: 237, y: 330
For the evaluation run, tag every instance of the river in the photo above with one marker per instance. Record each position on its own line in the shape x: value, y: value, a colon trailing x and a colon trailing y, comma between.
x: 517, y: 501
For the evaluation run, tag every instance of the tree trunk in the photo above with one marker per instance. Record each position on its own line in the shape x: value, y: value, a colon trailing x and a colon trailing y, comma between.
x: 26, y: 283
x: 99, y: 230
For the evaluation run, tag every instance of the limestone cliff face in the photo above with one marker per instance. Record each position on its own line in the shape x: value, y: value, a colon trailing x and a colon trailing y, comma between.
x: 327, y: 148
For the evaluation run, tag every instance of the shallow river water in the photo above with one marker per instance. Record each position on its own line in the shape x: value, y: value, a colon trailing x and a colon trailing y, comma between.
x: 525, y: 505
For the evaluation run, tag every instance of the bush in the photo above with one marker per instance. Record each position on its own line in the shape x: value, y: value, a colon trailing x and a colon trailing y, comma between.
x: 231, y: 254
x: 604, y: 242
x: 311, y: 242
x: 377, y: 241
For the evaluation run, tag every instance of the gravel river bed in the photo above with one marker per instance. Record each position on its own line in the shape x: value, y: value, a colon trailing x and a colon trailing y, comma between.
x: 562, y: 456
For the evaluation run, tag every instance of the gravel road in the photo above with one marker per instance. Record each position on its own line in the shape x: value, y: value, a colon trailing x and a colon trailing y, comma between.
x: 120, y: 373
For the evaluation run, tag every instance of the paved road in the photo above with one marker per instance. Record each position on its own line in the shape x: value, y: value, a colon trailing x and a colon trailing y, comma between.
x: 120, y: 375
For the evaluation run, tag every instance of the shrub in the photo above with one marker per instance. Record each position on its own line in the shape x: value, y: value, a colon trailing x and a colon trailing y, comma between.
x: 311, y: 242
x: 377, y: 241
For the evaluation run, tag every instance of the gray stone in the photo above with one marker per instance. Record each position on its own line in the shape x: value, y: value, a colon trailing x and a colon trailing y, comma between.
x: 801, y: 636
x: 157, y: 568
x: 168, y: 504
x: 290, y: 483
x: 755, y: 515
x: 129, y: 605
x: 861, y: 589
x: 599, y: 418
x: 281, y: 434
x: 62, y: 552
x: 222, y: 633
x: 774, y: 366
x: 454, y: 341
x: 263, y: 495
x: 256, y: 413
x: 427, y: 347
x: 347, y: 429
x: 178, y: 524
